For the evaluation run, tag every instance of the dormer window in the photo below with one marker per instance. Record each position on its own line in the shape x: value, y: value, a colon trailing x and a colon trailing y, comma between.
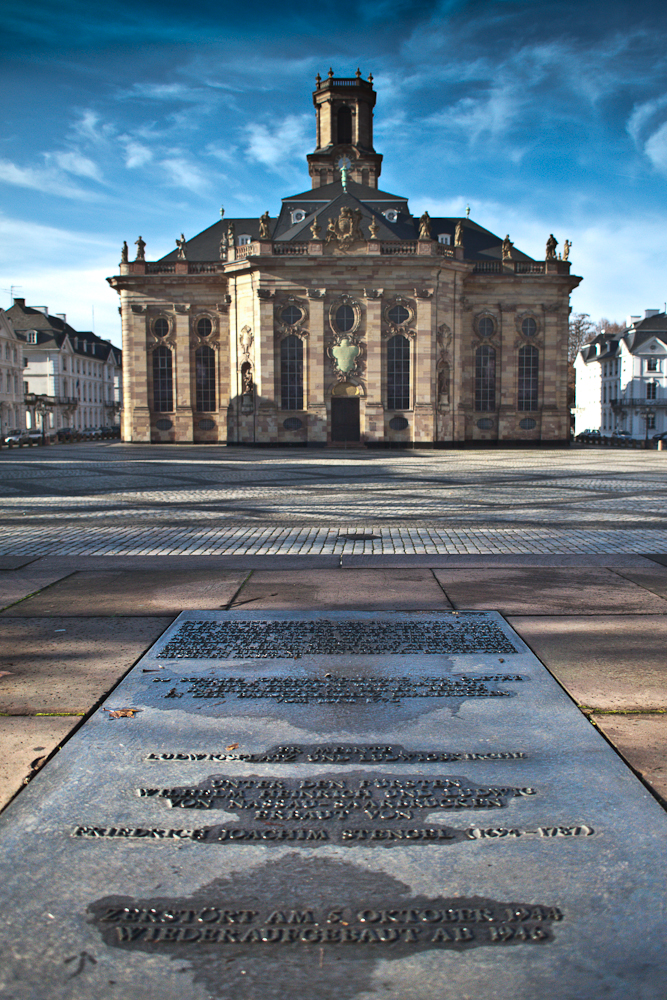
x: 243, y: 241
x: 652, y: 365
x: 32, y: 336
x: 445, y: 239
x: 391, y: 215
x: 298, y: 215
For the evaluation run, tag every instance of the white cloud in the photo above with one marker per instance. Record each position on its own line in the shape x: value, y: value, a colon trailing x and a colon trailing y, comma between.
x: 656, y: 149
x: 46, y: 180
x: 75, y: 163
x: 182, y: 173
x: 136, y: 154
x: 274, y: 146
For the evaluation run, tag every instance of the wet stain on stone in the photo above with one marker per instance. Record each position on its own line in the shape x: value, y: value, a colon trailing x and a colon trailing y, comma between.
x: 310, y: 928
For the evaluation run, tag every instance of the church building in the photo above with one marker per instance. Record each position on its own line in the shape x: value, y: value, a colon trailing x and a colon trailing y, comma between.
x: 344, y: 319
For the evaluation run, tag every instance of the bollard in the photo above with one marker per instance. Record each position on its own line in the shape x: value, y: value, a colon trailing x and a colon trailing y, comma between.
x: 661, y: 445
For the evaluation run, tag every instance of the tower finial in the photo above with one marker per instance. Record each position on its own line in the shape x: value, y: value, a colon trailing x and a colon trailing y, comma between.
x: 330, y: 73
x: 318, y: 80
x: 370, y: 77
x: 358, y: 74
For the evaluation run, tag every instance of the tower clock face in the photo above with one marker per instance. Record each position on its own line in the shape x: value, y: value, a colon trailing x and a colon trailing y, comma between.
x: 343, y: 162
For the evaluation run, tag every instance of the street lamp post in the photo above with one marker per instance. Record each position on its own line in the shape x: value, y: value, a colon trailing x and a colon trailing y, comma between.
x: 42, y: 409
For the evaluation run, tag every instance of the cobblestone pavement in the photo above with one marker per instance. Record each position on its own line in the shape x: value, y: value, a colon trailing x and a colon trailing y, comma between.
x: 115, y: 499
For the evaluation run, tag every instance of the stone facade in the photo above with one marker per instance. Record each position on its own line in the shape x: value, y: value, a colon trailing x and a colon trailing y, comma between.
x: 12, y: 410
x: 345, y: 319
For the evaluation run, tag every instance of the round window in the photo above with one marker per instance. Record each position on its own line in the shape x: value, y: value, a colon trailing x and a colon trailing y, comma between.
x: 485, y: 424
x: 291, y: 315
x: 529, y: 327
x: 528, y: 424
x: 485, y: 326
x: 161, y: 327
x: 292, y: 424
x: 398, y: 315
x: 163, y: 424
x: 206, y: 424
x: 398, y: 423
x: 345, y: 318
x: 204, y: 326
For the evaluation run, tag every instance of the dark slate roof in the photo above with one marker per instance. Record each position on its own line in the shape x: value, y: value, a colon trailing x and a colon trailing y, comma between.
x: 327, y: 201
x: 53, y: 330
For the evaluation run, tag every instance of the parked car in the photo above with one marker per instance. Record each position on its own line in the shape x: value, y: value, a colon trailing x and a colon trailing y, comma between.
x: 588, y: 435
x: 660, y: 437
x: 621, y: 434
x: 17, y: 437
x: 66, y: 434
x: 35, y: 437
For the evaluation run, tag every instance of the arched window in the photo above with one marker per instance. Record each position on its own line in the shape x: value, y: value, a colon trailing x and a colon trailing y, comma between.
x: 204, y: 379
x: 528, y: 377
x: 344, y: 125
x: 163, y: 383
x: 291, y: 373
x: 398, y: 373
x: 485, y: 378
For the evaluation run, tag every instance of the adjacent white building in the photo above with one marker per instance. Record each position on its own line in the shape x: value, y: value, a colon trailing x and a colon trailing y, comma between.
x: 70, y: 379
x: 621, y: 381
x: 11, y: 379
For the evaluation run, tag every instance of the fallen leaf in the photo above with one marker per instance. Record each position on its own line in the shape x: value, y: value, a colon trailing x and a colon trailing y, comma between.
x: 122, y: 713
x: 5, y: 673
x: 232, y: 746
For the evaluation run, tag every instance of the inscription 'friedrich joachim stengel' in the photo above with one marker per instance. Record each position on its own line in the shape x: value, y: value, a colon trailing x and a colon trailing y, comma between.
x: 336, y: 798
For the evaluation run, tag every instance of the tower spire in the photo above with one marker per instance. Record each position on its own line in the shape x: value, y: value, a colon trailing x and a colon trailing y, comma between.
x: 344, y: 112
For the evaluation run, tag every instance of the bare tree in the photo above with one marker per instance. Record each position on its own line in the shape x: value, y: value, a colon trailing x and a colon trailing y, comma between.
x: 582, y: 331
x: 610, y: 327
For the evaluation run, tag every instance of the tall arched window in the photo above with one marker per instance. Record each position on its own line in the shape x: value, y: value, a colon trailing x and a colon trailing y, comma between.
x: 204, y: 379
x: 485, y: 378
x: 398, y: 373
x: 291, y: 373
x: 528, y: 377
x: 163, y: 383
x: 344, y: 125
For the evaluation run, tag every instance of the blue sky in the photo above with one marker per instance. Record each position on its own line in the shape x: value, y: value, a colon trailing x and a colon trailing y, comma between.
x: 126, y: 119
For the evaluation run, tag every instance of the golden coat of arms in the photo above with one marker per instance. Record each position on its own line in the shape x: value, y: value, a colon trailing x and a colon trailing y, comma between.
x: 346, y: 229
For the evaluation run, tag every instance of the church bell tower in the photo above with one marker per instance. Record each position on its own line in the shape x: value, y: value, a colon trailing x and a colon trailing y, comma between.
x: 344, y: 110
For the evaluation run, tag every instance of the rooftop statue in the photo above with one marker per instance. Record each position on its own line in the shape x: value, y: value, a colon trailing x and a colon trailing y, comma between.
x: 264, y: 231
x: 425, y: 227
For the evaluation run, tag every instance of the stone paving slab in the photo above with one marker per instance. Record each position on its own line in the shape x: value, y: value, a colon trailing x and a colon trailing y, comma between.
x: 613, y: 662
x: 25, y: 743
x: 549, y: 591
x: 653, y: 578
x: 17, y: 585
x: 129, y: 592
x: 642, y: 740
x: 10, y: 563
x: 68, y: 664
x: 363, y: 589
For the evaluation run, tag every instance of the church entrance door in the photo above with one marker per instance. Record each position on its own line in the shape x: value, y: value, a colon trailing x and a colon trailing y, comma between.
x: 345, y: 419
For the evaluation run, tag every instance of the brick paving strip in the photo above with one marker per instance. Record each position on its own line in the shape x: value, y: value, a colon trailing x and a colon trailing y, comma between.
x: 99, y: 539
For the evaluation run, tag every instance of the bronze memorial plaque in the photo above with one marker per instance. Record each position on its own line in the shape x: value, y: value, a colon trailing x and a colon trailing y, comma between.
x: 331, y: 806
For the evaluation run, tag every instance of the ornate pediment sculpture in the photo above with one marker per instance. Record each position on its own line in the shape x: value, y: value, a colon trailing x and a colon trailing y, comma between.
x: 346, y: 229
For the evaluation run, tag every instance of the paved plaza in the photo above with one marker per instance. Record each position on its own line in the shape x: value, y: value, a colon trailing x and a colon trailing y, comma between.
x: 129, y: 500
x: 103, y: 545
